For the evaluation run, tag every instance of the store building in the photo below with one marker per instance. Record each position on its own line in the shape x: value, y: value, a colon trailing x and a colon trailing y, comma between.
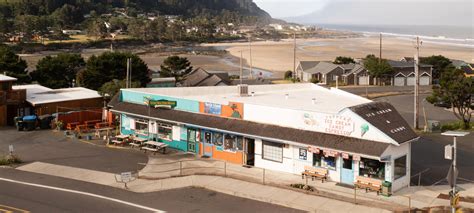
x: 277, y: 127
x: 11, y: 100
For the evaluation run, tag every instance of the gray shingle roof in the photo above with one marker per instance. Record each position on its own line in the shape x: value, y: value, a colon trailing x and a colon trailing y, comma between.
x: 200, y: 77
x: 404, y: 64
x: 323, y: 140
x: 323, y: 68
x: 305, y: 65
x: 385, y: 117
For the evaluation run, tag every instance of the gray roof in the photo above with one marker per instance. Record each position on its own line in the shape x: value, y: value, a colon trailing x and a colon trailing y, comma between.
x: 355, y: 70
x: 404, y: 64
x: 348, y: 66
x: 386, y: 118
x: 323, y: 140
x: 305, y: 65
x: 200, y: 77
x: 323, y: 68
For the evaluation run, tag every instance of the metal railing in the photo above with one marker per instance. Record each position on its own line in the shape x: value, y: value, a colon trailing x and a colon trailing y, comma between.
x: 419, y: 175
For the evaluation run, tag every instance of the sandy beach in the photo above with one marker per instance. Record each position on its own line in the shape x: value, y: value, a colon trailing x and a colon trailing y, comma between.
x: 278, y: 56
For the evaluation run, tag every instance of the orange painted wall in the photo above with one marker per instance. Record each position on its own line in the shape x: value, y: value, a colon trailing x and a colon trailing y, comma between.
x: 228, y: 110
x: 237, y: 157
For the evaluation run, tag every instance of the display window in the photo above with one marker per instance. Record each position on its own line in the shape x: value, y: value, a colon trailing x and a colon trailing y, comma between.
x: 272, y: 151
x: 165, y: 131
x: 372, y: 168
x: 324, y: 161
x: 400, y: 167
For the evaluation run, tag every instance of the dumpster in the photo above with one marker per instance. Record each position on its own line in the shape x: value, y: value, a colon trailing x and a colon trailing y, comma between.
x: 45, y: 121
x: 29, y: 122
x: 386, y: 188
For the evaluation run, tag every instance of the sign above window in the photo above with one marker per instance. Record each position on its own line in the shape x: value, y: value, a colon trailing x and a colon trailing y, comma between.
x: 162, y: 103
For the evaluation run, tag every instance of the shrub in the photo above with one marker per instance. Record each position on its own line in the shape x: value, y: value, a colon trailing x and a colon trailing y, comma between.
x: 455, y: 125
x: 288, y: 74
x: 302, y: 186
x: 9, y: 160
x: 314, y: 80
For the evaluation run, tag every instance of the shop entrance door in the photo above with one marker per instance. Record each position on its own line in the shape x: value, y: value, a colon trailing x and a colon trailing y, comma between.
x: 250, y: 152
x: 347, y: 171
x: 192, y: 139
x: 207, y: 144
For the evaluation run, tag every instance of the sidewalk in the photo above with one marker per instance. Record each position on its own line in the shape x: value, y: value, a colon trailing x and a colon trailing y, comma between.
x: 270, y: 194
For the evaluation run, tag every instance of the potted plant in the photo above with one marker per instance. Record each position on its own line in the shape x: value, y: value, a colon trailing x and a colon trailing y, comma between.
x: 59, y: 125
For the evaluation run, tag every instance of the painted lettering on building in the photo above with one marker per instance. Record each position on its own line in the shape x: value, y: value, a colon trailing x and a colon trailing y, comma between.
x: 339, y: 125
x: 233, y: 110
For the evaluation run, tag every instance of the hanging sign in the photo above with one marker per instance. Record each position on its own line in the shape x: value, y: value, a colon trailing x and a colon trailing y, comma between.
x: 313, y: 149
x: 162, y: 103
x: 448, y: 152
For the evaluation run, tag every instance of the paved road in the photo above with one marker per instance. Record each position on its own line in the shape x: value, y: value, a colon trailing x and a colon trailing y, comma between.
x: 183, y: 200
x: 48, y: 146
x: 361, y: 90
x: 428, y: 152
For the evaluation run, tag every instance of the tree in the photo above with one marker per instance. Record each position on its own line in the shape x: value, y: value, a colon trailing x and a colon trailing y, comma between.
x: 439, y: 63
x: 97, y: 28
x: 67, y: 16
x: 58, y: 72
x: 343, y: 60
x: 377, y: 68
x: 457, y: 90
x: 175, y: 66
x: 112, y: 65
x: 113, y: 87
x: 288, y: 74
x: 13, y: 65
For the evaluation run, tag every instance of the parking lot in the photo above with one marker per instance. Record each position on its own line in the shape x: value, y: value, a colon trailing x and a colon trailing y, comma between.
x: 53, y: 147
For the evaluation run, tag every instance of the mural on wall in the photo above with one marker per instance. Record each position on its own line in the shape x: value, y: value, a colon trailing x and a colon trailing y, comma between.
x: 233, y: 110
x: 309, y: 120
x: 339, y: 125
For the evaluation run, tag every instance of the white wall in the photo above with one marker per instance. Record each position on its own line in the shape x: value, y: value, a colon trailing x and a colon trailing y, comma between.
x: 285, y: 166
x: 396, y: 152
x: 313, y: 121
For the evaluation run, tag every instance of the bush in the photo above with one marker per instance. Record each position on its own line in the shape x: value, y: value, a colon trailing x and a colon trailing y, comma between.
x: 302, y: 186
x: 314, y: 80
x: 455, y: 125
x: 288, y: 74
x: 9, y: 160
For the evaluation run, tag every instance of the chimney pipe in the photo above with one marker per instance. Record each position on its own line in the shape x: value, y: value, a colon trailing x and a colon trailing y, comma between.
x: 313, y: 100
x: 286, y: 96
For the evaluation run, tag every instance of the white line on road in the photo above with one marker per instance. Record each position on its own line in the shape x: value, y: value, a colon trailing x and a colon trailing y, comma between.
x: 83, y: 193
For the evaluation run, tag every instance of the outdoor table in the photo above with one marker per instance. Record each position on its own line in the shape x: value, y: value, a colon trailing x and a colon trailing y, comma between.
x: 120, y: 139
x: 154, y: 146
x: 136, y: 141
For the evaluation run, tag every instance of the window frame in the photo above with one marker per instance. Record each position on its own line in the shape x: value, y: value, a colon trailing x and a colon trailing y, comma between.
x: 272, y: 144
x: 395, y: 167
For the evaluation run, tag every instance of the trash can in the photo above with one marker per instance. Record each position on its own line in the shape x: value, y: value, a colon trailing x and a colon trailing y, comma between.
x: 45, y: 121
x: 20, y: 125
x: 386, y: 188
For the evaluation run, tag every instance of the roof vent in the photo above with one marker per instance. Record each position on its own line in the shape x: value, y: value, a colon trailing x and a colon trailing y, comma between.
x: 252, y: 94
x: 313, y: 100
x: 287, y: 96
x: 243, y: 90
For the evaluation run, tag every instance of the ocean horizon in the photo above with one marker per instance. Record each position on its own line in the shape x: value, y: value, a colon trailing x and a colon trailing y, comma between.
x: 449, y: 35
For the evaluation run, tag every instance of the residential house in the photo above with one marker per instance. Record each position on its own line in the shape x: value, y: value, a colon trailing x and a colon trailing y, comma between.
x: 468, y: 70
x: 321, y: 71
x: 200, y: 77
x: 404, y: 73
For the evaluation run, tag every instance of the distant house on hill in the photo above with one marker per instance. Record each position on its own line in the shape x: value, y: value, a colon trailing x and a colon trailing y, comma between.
x: 200, y: 77
x: 468, y: 70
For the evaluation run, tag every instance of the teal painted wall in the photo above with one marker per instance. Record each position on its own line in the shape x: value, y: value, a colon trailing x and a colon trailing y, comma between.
x: 179, y: 145
x: 137, y: 98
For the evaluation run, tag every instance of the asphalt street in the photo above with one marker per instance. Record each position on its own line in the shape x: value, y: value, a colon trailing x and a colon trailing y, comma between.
x: 34, y: 199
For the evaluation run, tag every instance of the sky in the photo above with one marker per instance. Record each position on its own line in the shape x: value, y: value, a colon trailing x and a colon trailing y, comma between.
x: 376, y: 12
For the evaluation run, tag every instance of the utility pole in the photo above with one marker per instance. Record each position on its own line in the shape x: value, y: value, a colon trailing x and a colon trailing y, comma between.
x: 250, y: 49
x: 128, y: 71
x: 417, y: 83
x: 380, y: 49
x: 241, y: 67
x: 294, y: 57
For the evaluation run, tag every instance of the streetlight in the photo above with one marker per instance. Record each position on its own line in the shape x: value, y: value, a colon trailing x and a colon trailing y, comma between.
x: 452, y: 176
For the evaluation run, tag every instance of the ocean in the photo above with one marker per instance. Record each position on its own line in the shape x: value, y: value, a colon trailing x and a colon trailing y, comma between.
x: 449, y: 35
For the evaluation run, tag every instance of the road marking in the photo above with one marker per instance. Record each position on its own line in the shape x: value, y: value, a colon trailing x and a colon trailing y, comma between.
x: 83, y: 193
x: 7, y: 209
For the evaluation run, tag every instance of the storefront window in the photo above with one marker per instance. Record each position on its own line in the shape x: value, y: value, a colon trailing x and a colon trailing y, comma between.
x: 217, y: 139
x: 141, y: 126
x: 233, y: 143
x: 400, y: 167
x: 191, y: 135
x: 272, y: 151
x: 320, y: 160
x: 371, y: 168
x: 303, y: 154
x: 165, y: 131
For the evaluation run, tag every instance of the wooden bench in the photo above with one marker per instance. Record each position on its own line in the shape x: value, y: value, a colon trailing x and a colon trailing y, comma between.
x: 91, y: 123
x: 81, y: 128
x: 154, y: 147
x: 314, y: 172
x: 368, y: 184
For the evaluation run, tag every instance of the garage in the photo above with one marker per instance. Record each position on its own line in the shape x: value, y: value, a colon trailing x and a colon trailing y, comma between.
x: 363, y: 80
x: 425, y: 79
x: 411, y: 79
x: 399, y: 80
